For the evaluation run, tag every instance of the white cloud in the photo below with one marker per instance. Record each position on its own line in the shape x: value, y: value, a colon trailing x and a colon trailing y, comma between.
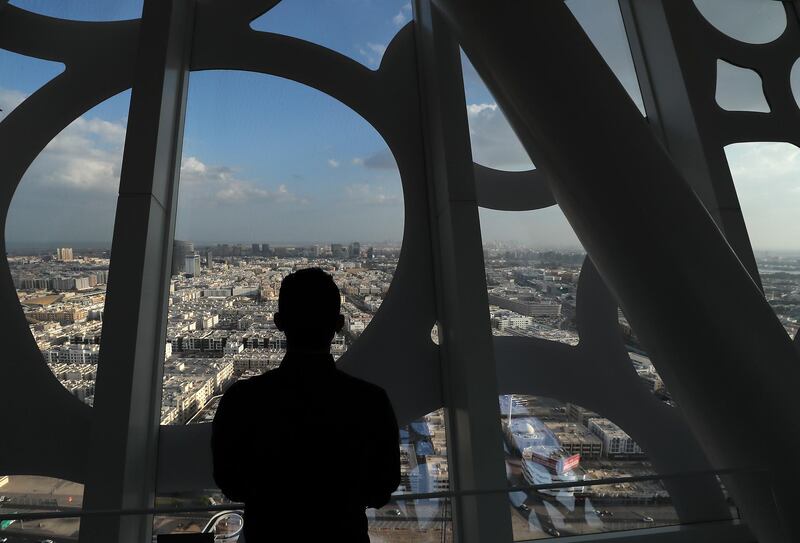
x: 9, y: 100
x: 382, y: 160
x: 373, y: 53
x: 358, y: 161
x: 85, y: 156
x: 366, y: 194
x: 494, y: 143
x: 475, y: 109
x: 333, y: 163
x: 202, y: 183
x: 402, y: 16
x: 767, y: 180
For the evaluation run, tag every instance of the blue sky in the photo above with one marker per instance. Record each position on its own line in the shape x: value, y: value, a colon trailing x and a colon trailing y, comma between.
x: 269, y: 160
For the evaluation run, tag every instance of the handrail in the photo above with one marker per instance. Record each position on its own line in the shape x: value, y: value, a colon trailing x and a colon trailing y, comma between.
x: 233, y: 506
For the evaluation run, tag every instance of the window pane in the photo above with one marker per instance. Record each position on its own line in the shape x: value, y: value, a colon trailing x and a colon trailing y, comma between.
x: 533, y: 262
x: 549, y: 441
x: 275, y: 177
x: 602, y: 22
x: 766, y: 176
x: 59, y: 260
x: 559, y: 341
x: 493, y: 141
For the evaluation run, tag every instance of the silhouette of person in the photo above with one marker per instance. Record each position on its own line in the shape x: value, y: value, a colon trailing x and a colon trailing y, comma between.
x: 305, y: 446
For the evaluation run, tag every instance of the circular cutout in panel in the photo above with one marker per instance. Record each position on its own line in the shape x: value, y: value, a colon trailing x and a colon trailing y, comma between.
x: 275, y: 177
x: 81, y: 10
x: 739, y: 89
x: 749, y: 21
x: 58, y: 238
x: 794, y: 79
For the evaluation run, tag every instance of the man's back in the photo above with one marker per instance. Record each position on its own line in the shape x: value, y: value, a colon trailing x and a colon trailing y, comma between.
x: 307, y: 448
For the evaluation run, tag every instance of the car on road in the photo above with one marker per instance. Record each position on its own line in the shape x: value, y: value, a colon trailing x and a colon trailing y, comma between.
x: 524, y: 508
x: 646, y: 518
x: 549, y: 530
x: 394, y: 512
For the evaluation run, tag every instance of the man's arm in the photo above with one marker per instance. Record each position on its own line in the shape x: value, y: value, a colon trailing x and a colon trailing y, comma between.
x: 384, y: 454
x: 227, y: 432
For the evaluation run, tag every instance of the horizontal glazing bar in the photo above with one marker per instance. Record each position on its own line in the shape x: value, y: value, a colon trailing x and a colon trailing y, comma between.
x: 395, y: 497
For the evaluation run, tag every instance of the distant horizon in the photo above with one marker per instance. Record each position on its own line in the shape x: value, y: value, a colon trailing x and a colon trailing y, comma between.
x: 16, y: 245
x: 106, y: 245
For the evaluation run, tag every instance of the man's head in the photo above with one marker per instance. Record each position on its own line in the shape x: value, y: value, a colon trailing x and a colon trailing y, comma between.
x: 308, y: 309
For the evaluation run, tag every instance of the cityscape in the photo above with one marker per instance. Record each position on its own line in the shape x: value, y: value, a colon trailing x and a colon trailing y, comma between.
x: 220, y: 329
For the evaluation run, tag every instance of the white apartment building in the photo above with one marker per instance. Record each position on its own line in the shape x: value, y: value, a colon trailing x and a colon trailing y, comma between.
x: 616, y: 442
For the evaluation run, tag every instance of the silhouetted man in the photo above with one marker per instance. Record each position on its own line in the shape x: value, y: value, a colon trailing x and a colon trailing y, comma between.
x: 306, y: 447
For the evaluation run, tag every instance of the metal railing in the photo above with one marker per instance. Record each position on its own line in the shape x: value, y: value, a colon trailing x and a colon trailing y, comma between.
x: 447, y: 494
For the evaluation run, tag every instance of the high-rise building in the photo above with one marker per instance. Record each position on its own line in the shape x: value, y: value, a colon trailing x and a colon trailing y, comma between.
x: 371, y: 253
x: 265, y: 250
x: 336, y: 249
x: 209, y: 260
x: 256, y: 248
x: 64, y: 253
x: 179, y: 251
x: 191, y: 265
x: 355, y: 249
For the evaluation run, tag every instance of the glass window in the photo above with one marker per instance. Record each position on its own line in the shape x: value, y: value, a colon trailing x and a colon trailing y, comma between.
x: 602, y: 22
x: 58, y: 235
x: 551, y: 442
x: 538, y: 287
x: 493, y: 141
x: 533, y: 262
x: 767, y: 180
x: 276, y: 176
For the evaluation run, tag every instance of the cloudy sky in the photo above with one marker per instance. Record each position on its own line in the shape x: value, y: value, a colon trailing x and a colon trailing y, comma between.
x: 266, y: 159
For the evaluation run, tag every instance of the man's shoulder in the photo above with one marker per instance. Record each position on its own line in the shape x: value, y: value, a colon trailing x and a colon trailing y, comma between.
x: 245, y: 387
x: 360, y: 385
